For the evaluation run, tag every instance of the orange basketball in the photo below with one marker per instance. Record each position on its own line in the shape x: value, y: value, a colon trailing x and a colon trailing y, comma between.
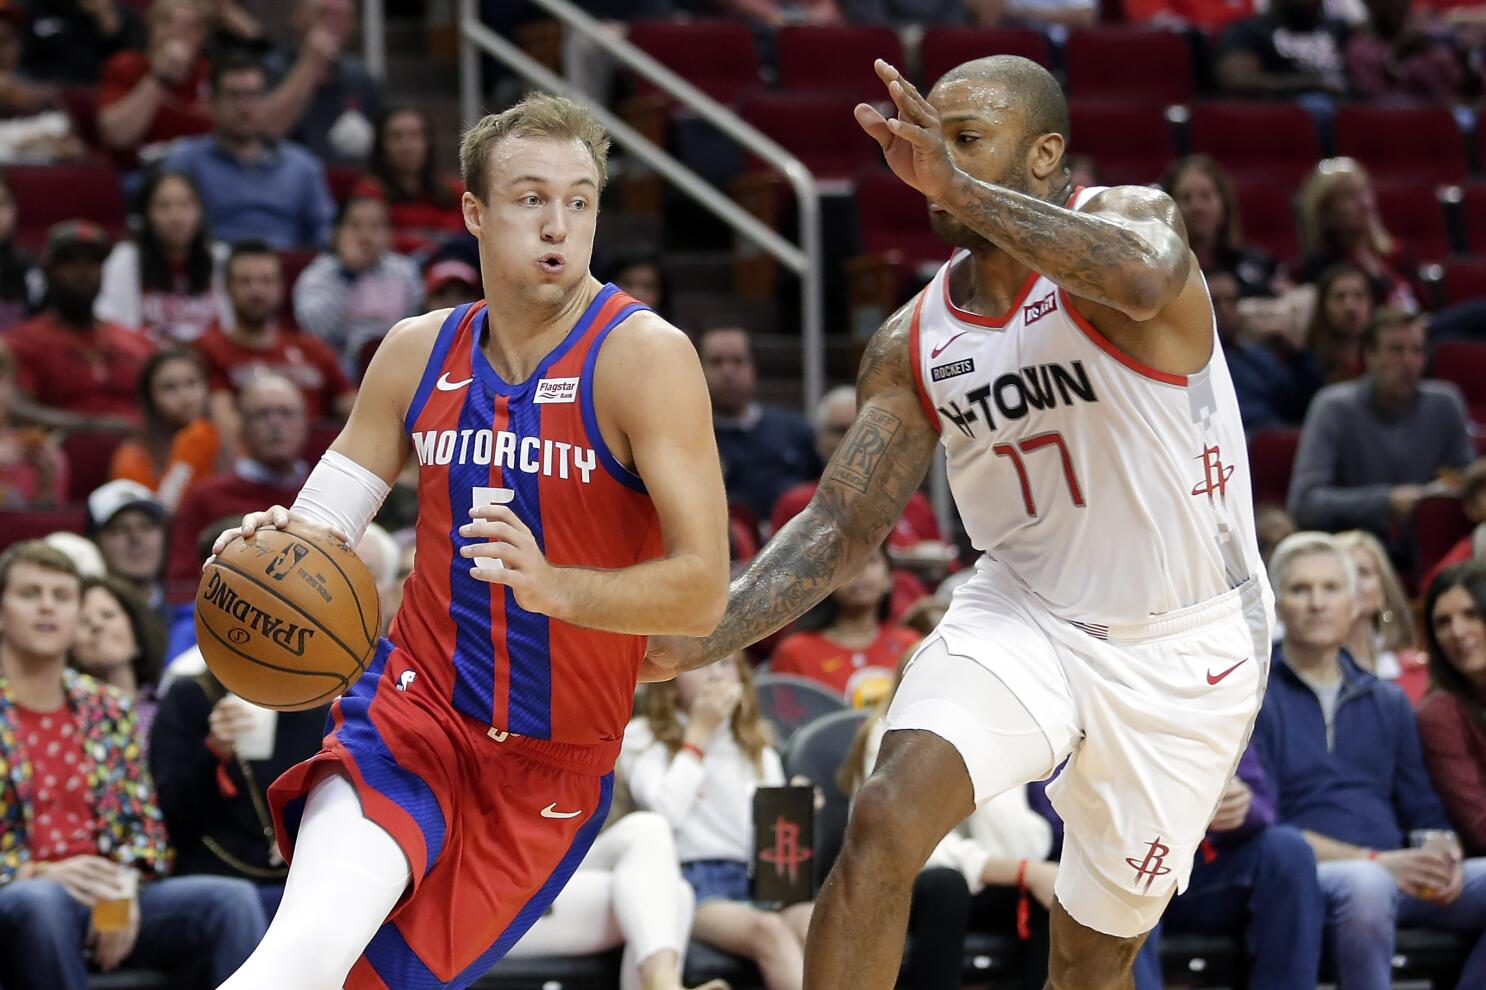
x: 285, y: 620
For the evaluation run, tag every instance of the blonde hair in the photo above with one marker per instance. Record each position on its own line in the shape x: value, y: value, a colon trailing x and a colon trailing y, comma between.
x: 538, y: 115
x: 753, y: 734
x: 1316, y: 196
x: 1395, y: 623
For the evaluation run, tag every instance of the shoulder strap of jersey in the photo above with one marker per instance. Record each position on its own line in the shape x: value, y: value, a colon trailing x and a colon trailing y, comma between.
x: 619, y: 308
x: 916, y: 357
x: 448, y: 334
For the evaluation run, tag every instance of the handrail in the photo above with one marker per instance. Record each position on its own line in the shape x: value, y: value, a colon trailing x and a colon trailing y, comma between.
x: 805, y: 260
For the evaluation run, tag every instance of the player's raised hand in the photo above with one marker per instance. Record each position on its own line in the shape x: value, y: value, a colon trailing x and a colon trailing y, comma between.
x: 911, y: 141
x: 520, y: 563
x: 274, y: 517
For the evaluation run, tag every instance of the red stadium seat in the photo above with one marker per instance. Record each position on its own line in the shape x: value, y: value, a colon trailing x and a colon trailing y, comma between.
x: 48, y: 194
x: 1464, y: 278
x: 1131, y: 142
x: 820, y: 131
x: 836, y: 60
x: 342, y: 179
x: 33, y: 524
x: 943, y: 48
x: 1412, y: 213
x: 292, y: 262
x: 321, y: 435
x: 1439, y: 524
x: 1473, y: 211
x: 891, y: 216
x: 718, y: 57
x: 89, y: 456
x: 1266, y: 217
x: 1271, y: 458
x: 1417, y: 144
x: 1118, y: 63
x: 1465, y: 365
x: 1271, y: 142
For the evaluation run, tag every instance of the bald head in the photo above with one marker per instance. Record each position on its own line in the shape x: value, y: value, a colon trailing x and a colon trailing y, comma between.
x: 1025, y: 83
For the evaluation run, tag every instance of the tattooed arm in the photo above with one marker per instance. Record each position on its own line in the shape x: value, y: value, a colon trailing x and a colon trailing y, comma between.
x: 878, y: 466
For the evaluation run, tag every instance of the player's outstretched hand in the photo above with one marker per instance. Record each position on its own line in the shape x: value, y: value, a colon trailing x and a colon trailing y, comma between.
x: 667, y: 656
x: 520, y: 564
x: 274, y: 517
x: 911, y: 142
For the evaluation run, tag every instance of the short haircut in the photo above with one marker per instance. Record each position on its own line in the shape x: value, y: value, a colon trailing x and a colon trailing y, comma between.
x: 40, y: 554
x: 355, y: 200
x: 232, y: 63
x: 1304, y: 544
x: 1384, y: 320
x: 249, y: 248
x: 725, y: 328
x: 1036, y: 91
x: 840, y: 393
x: 538, y: 115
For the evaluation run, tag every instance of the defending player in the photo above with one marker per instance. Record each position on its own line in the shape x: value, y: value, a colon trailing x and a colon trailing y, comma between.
x: 1066, y: 358
x: 570, y: 501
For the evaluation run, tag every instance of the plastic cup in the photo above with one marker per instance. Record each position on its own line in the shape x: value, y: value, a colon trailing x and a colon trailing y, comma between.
x: 112, y: 915
x: 257, y: 742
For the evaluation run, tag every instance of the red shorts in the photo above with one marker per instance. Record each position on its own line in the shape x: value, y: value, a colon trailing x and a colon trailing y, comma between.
x: 493, y: 825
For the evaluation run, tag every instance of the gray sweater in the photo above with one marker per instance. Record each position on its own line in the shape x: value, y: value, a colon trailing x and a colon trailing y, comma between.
x: 1351, y: 456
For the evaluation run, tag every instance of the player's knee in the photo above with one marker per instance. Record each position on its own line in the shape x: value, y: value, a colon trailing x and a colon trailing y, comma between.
x: 887, y: 829
x: 1090, y: 960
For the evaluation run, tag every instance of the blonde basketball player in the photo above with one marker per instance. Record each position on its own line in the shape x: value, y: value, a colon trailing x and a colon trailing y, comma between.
x: 1066, y: 359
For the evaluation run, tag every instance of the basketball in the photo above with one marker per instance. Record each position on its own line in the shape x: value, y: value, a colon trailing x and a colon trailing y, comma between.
x: 285, y: 620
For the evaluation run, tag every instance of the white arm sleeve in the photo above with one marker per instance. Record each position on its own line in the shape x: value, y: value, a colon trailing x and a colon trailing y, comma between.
x: 341, y: 493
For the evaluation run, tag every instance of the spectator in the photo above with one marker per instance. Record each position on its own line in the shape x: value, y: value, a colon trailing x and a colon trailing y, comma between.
x: 381, y: 554
x: 1372, y: 448
x: 128, y: 524
x: 773, y: 14
x: 120, y: 643
x: 450, y: 283
x: 167, y: 278
x: 1333, y: 335
x: 270, y: 472
x: 178, y: 446
x: 351, y: 296
x: 700, y: 751
x: 764, y: 450
x: 905, y: 13
x: 1339, y: 221
x: 1473, y: 504
x: 641, y: 277
x: 1293, y: 49
x: 33, y: 467
x: 74, y: 370
x: 18, y: 274
x: 1452, y: 716
x: 1254, y: 876
x: 327, y: 99
x: 1209, y: 208
x: 80, y: 812
x: 1401, y: 56
x: 1259, y: 377
x: 1342, y: 749
x: 846, y: 642
x: 1209, y: 16
x: 70, y: 40
x: 1273, y: 524
x: 34, y: 126
x: 422, y: 204
x: 1057, y: 15
x: 1381, y: 640
x: 148, y: 99
x: 257, y: 344
x: 253, y: 186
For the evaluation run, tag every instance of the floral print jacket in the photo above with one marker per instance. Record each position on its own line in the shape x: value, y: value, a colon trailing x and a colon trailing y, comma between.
x: 130, y: 828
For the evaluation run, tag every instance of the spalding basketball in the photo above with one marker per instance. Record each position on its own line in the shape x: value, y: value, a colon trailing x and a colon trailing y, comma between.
x: 285, y: 620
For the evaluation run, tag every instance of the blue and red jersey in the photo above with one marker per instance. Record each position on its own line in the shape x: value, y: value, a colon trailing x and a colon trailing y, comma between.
x: 536, y: 446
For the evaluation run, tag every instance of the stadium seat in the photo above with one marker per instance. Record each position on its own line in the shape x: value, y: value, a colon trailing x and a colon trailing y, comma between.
x: 81, y: 104
x: 836, y: 60
x: 816, y: 753
x: 1271, y: 458
x: 1416, y: 144
x: 292, y: 261
x: 1256, y: 142
x: 320, y: 436
x: 32, y: 524
x: 1473, y: 213
x: 89, y: 456
x: 1439, y: 524
x: 131, y: 979
x: 716, y: 56
x: 943, y: 48
x: 342, y: 179
x: 1120, y: 63
x: 893, y: 216
x: 1131, y: 141
x: 820, y: 131
x: 48, y: 194
x: 1465, y: 365
x: 789, y: 702
x: 1412, y: 213
x: 1266, y: 217
x: 1464, y: 278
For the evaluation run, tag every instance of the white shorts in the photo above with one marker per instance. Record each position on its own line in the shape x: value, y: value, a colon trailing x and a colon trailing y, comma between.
x: 1153, y: 718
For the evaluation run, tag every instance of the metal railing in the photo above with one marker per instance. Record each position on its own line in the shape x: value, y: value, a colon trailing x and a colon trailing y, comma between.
x: 804, y: 260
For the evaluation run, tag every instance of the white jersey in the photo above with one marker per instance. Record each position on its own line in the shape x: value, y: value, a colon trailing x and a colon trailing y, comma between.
x: 1111, y: 490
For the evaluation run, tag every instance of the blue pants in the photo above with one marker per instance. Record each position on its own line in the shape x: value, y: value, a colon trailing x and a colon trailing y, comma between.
x: 1266, y: 888
x: 1364, y: 907
x: 207, y: 924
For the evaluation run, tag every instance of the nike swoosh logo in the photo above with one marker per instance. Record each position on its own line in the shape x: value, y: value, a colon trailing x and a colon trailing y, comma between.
x: 942, y: 347
x: 551, y: 812
x: 445, y: 385
x: 1215, y: 678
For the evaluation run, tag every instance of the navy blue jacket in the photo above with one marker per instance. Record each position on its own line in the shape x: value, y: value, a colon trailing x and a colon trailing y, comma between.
x: 1363, y: 781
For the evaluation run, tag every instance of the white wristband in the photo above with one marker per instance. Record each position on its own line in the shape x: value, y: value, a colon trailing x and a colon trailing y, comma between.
x: 342, y: 494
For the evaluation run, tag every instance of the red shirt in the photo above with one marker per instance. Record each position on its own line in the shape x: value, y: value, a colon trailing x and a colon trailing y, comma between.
x: 305, y: 360
x: 862, y: 676
x: 1455, y: 752
x: 93, y: 372
x: 418, y: 224
x: 182, y: 112
x: 62, y: 823
x: 216, y: 497
x: 916, y: 524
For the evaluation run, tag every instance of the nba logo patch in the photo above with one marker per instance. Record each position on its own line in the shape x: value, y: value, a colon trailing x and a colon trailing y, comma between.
x: 556, y: 390
x: 1031, y: 314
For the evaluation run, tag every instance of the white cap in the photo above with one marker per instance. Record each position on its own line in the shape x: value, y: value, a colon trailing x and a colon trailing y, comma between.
x: 109, y: 500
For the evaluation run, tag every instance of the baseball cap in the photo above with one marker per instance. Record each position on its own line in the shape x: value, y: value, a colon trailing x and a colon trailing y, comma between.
x: 449, y: 270
x: 75, y: 236
x: 107, y: 501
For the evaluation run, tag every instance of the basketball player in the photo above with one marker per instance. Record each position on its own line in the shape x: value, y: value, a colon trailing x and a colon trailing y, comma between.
x: 1066, y: 358
x: 570, y: 501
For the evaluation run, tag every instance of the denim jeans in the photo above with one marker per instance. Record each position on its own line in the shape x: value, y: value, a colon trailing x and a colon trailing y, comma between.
x: 1364, y: 907
x: 207, y: 925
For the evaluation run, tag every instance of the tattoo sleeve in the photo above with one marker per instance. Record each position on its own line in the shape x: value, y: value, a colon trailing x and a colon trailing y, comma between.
x: 1130, y: 254
x: 878, y: 466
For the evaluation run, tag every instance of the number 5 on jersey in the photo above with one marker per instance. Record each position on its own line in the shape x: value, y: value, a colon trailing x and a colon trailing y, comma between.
x: 482, y: 495
x: 1028, y: 445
